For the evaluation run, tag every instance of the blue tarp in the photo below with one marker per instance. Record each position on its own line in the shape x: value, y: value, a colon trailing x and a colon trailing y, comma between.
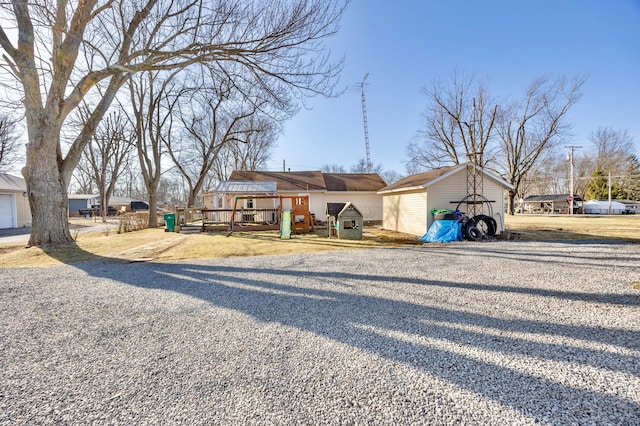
x: 443, y: 231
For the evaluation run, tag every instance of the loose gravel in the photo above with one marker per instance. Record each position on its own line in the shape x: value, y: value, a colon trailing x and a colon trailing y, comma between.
x: 467, y: 333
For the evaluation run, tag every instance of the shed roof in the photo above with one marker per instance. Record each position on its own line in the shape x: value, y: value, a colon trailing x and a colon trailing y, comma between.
x: 12, y: 183
x: 426, y: 179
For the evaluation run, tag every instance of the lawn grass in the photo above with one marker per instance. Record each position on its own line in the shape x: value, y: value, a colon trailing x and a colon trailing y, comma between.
x: 157, y: 245
x: 576, y: 227
x: 152, y: 244
x: 86, y: 247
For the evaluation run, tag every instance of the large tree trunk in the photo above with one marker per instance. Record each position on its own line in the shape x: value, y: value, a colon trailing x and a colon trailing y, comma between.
x: 510, y: 202
x: 153, y: 209
x: 47, y: 192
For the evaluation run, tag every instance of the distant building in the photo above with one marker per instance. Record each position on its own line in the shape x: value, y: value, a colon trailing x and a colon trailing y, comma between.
x: 15, y: 211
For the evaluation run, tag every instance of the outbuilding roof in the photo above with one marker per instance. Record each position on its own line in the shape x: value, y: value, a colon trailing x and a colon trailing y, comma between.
x: 12, y: 183
x: 426, y: 179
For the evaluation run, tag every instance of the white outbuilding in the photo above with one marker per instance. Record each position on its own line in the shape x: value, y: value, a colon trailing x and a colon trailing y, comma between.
x: 603, y: 207
x: 407, y: 203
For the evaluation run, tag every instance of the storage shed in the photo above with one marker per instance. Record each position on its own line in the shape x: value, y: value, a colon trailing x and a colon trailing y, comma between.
x: 408, y: 202
x: 345, y: 221
x: 15, y: 211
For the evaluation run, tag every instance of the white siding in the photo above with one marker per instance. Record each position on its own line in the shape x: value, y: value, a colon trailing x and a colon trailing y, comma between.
x: 410, y: 212
x: 405, y: 212
x: 454, y: 188
x: 370, y: 205
x: 440, y: 194
x: 24, y: 210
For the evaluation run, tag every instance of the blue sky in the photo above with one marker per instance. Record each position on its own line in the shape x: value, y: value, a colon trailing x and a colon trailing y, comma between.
x: 405, y: 45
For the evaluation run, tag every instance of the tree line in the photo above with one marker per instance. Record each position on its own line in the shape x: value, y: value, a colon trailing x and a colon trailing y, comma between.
x: 521, y: 138
x: 70, y: 61
x: 149, y: 93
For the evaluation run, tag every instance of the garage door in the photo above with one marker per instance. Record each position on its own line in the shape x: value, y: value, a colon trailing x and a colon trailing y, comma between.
x: 6, y: 211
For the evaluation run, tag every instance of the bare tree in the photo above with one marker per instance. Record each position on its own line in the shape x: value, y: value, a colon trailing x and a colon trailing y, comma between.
x: 362, y: 166
x: 65, y: 49
x: 154, y: 101
x: 220, y: 123
x: 614, y: 149
x: 108, y: 154
x: 458, y: 125
x: 333, y: 168
x: 10, y: 153
x: 531, y: 127
x: 82, y: 180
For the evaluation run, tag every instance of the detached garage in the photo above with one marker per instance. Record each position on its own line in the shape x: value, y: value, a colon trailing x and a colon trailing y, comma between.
x: 408, y: 202
x: 14, y: 204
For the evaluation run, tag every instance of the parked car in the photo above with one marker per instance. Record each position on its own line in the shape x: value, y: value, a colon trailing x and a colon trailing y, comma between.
x: 95, y: 211
x: 139, y: 205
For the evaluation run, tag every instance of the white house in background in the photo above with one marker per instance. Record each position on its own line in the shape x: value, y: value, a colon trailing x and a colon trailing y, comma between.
x: 15, y: 211
x: 359, y: 189
x: 407, y: 203
x: 603, y: 207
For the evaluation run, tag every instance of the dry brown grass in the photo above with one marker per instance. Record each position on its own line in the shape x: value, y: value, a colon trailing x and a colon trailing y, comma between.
x: 87, y: 246
x: 577, y: 227
x: 155, y: 244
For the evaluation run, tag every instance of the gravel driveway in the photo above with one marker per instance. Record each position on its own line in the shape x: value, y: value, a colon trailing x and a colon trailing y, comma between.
x: 467, y: 333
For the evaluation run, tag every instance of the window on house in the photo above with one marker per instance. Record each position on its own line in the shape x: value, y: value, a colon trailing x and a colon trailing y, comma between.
x: 249, y: 204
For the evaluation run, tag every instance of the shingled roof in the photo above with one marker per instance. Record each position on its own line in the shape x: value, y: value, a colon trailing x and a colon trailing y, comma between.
x: 314, y: 180
x: 353, y: 182
x: 420, y: 179
x: 12, y: 183
x: 426, y: 179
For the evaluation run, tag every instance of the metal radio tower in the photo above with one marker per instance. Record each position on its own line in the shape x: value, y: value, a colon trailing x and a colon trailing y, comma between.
x: 366, y: 127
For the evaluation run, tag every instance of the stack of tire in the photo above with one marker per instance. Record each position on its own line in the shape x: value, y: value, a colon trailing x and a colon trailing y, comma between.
x: 479, y: 227
x: 473, y: 229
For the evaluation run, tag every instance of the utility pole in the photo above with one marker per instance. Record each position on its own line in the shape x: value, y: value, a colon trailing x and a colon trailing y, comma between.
x: 571, y: 191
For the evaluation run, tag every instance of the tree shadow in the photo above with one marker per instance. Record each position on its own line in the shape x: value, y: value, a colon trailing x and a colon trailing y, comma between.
x: 328, y: 305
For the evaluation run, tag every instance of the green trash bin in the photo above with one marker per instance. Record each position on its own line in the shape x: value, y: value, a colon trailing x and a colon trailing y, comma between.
x: 170, y: 222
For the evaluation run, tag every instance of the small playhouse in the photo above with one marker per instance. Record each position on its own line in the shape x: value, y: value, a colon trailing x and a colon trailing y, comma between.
x: 344, y: 221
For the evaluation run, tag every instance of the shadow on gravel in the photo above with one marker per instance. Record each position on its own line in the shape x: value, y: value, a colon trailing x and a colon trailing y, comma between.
x: 406, y: 332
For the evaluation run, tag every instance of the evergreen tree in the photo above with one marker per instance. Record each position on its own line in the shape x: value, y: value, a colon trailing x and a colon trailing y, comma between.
x: 597, y: 188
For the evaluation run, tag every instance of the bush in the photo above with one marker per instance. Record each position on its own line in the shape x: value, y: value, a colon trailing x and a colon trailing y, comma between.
x: 130, y: 222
